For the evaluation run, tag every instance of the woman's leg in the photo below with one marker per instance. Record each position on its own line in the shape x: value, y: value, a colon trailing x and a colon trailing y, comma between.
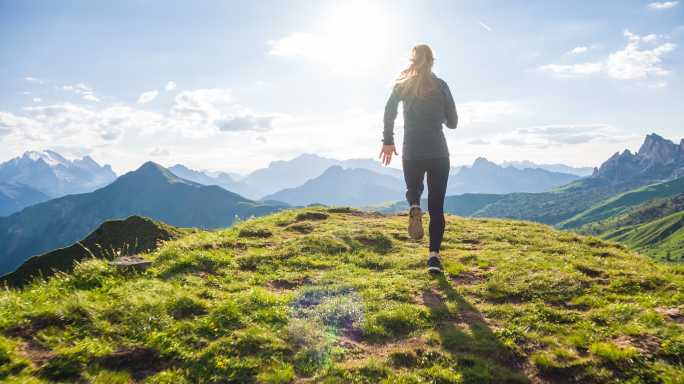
x: 414, y: 172
x: 437, y: 178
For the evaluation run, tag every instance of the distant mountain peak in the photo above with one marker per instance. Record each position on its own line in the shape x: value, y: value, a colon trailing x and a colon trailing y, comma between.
x: 151, y: 168
x: 483, y: 162
x: 54, y: 175
x: 151, y: 173
x: 658, y: 149
x: 657, y: 159
x: 334, y: 169
x: 180, y: 166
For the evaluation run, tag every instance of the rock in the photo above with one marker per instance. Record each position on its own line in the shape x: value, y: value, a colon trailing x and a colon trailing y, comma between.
x: 135, y: 263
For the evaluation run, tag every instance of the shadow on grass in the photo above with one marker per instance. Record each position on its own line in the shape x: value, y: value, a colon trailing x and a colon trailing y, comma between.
x: 463, y: 332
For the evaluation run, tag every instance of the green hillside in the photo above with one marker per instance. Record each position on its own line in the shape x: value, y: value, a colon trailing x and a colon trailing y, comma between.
x: 621, y: 203
x: 113, y: 238
x: 662, y: 238
x: 340, y: 296
x: 555, y: 206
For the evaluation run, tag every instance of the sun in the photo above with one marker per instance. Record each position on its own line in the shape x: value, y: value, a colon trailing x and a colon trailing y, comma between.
x: 357, y: 36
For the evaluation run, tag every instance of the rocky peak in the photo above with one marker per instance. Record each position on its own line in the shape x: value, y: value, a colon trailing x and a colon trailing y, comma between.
x: 482, y: 162
x: 658, y: 149
x: 657, y: 159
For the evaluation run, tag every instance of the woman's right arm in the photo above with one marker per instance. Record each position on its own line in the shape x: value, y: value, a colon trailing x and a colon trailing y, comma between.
x: 449, y: 107
x: 390, y: 115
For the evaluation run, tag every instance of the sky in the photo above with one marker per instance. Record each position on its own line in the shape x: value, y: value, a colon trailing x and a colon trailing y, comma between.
x: 234, y: 85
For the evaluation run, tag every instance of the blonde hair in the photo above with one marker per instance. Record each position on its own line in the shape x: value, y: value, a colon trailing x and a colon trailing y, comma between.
x: 417, y: 79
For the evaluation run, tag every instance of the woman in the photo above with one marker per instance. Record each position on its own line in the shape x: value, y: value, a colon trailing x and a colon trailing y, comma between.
x: 427, y: 104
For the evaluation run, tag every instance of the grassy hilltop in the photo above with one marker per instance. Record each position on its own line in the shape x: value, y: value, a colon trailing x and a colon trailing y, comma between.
x: 342, y: 296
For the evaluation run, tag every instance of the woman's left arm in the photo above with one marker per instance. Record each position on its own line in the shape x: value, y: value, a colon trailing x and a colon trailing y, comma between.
x: 449, y: 107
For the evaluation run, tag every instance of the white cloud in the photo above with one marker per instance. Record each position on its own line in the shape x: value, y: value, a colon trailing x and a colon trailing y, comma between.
x: 205, y: 104
x: 82, y: 125
x: 85, y: 91
x: 630, y: 63
x: 295, y: 44
x: 246, y: 123
x: 578, y: 50
x: 148, y: 96
x: 37, y: 99
x: 663, y: 4
x: 649, y: 38
x: 573, y: 69
x: 478, y: 142
x: 485, y: 111
x: 202, y: 112
x: 83, y: 87
x: 212, y: 118
x: 170, y: 86
x: 33, y: 80
x: 159, y: 152
x: 89, y: 97
x: 555, y: 135
x: 658, y: 84
x: 485, y: 26
x: 10, y: 123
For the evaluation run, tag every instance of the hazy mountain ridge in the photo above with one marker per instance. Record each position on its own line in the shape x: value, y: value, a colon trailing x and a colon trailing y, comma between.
x: 485, y: 176
x: 221, y: 179
x: 150, y: 191
x: 343, y: 186
x: 52, y: 175
x: 15, y: 197
x: 561, y: 168
x: 482, y: 177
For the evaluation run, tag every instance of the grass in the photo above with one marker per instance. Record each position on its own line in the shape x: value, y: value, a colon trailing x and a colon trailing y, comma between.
x: 331, y: 296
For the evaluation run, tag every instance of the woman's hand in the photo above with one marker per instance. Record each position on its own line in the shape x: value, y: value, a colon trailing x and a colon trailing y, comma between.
x: 386, y: 153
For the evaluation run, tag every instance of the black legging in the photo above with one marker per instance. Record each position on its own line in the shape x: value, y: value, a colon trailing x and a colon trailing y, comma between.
x: 437, y: 176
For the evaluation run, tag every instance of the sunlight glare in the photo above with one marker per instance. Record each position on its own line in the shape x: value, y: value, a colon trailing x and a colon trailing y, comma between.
x: 356, y: 37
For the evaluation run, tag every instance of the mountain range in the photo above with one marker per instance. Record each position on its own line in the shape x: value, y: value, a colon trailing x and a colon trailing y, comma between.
x: 39, y: 176
x: 150, y: 191
x: 363, y: 182
x: 485, y: 176
x: 14, y: 197
x: 657, y: 160
x: 561, y: 168
x: 355, y: 187
x: 293, y: 173
x: 222, y: 179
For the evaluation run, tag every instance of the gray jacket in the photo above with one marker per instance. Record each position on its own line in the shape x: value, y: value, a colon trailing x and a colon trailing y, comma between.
x: 423, y: 119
